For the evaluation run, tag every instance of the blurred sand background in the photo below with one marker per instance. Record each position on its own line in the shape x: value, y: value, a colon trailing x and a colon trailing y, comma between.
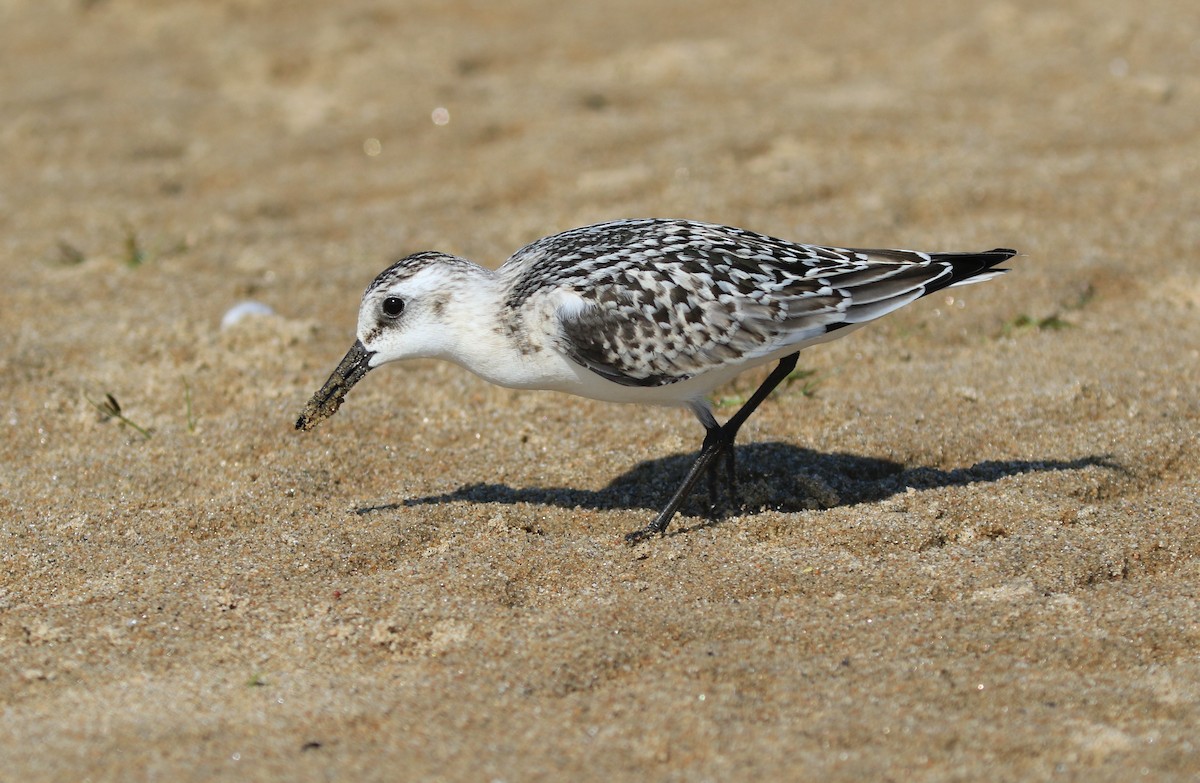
x: 972, y: 544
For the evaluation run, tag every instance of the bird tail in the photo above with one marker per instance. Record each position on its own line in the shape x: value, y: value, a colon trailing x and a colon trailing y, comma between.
x: 968, y: 268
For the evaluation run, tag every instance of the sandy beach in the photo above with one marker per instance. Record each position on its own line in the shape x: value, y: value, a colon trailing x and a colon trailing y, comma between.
x: 970, y: 542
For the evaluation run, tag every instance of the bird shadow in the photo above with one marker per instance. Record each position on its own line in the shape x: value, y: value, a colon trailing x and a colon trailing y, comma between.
x: 771, y: 475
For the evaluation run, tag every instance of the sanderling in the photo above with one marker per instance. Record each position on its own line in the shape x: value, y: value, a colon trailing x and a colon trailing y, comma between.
x: 647, y: 311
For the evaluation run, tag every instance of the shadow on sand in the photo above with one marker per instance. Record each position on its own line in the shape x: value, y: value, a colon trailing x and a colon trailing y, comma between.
x: 771, y: 475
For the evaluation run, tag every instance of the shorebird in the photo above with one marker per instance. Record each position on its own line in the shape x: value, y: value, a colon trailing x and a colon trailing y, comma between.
x: 645, y: 311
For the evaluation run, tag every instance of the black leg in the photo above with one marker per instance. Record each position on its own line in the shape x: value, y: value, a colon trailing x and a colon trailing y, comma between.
x: 718, y: 439
x: 731, y: 485
x: 714, y: 443
x: 781, y: 371
x: 714, y: 499
x: 714, y: 479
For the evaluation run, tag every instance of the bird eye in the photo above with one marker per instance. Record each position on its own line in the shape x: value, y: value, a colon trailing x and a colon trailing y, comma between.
x: 393, y: 306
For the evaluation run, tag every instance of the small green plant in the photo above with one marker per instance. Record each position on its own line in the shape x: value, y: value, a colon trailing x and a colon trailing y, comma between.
x: 135, y: 254
x: 111, y: 409
x: 68, y: 254
x: 1083, y: 300
x: 1023, y: 322
x: 189, y: 412
x: 1053, y: 322
x: 257, y: 680
x: 808, y: 389
x: 729, y: 401
x: 811, y: 382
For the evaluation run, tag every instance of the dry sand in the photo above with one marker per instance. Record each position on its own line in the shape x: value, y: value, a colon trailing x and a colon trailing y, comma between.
x: 973, y: 553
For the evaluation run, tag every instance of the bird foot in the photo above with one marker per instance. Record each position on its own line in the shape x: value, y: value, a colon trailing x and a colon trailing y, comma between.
x: 718, y: 442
